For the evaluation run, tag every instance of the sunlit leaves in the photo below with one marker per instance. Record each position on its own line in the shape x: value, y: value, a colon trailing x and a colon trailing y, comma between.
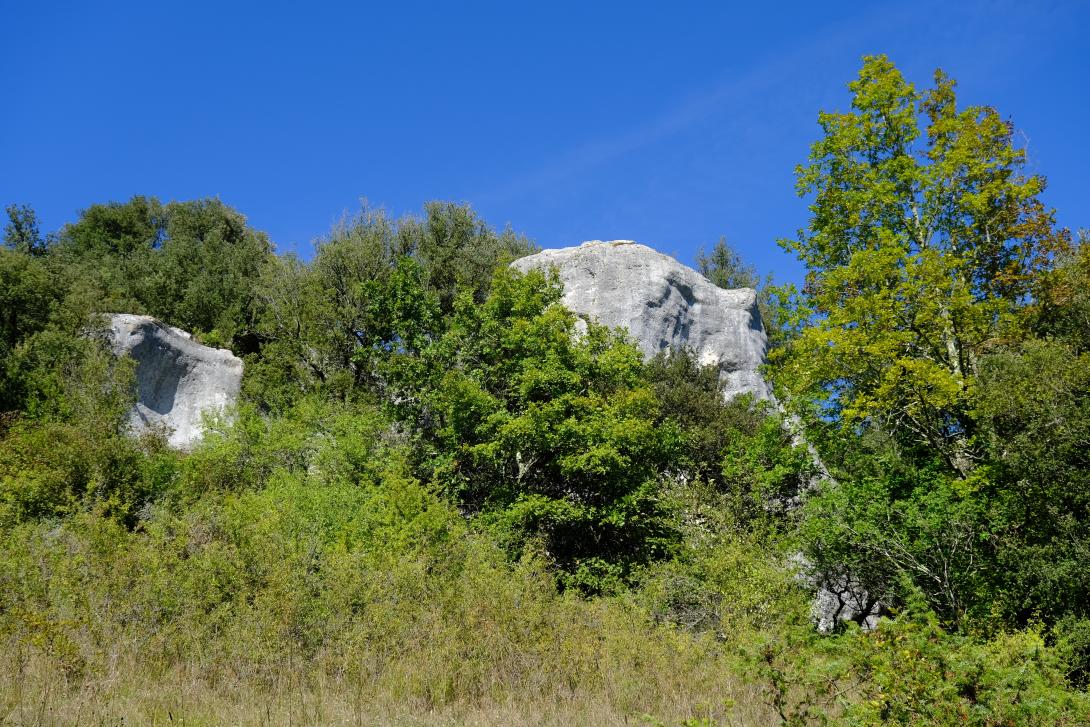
x: 924, y: 238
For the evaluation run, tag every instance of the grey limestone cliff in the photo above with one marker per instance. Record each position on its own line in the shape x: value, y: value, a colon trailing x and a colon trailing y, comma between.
x: 177, y: 379
x: 663, y: 304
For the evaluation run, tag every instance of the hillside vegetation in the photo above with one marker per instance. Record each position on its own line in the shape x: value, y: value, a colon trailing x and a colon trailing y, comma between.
x: 441, y: 502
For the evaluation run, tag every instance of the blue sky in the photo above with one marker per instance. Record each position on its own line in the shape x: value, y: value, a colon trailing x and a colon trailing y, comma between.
x: 667, y: 123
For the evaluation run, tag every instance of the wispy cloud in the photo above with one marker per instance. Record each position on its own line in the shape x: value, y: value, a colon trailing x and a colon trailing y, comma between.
x: 775, y: 70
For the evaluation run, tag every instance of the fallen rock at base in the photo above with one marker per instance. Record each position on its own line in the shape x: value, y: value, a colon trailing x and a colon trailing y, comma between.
x: 844, y: 601
x: 663, y: 304
x: 177, y: 379
x: 838, y: 597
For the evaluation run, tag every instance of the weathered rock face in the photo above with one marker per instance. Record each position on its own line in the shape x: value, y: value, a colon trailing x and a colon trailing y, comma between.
x: 663, y: 304
x: 177, y: 378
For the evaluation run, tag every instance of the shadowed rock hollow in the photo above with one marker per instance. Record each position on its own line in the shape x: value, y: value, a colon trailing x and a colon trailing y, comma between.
x: 177, y: 379
x: 663, y: 304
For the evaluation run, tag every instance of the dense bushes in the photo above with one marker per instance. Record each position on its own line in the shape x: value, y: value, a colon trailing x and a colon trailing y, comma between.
x: 335, y: 586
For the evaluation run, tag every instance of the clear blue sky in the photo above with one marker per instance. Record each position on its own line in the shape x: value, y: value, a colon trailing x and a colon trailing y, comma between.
x: 667, y: 123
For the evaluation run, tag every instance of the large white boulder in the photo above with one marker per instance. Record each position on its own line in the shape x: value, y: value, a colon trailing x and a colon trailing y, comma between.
x: 663, y: 304
x: 177, y: 379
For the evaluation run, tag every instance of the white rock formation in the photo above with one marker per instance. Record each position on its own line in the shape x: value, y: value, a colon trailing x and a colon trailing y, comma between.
x: 177, y: 378
x: 663, y: 304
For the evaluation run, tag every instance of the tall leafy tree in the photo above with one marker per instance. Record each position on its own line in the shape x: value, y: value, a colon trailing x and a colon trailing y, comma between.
x: 931, y: 266
x: 27, y: 296
x: 539, y: 432
x: 1062, y: 298
x: 925, y: 236
x: 205, y: 270
x: 22, y: 232
x: 192, y: 264
x: 116, y: 228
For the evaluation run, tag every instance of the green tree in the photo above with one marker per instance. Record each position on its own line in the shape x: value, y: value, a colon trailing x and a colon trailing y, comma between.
x: 542, y: 434
x: 1033, y: 404
x: 327, y: 324
x: 22, y: 232
x: 116, y: 228
x: 458, y: 250
x: 205, y: 271
x: 191, y: 264
x: 1062, y: 298
x: 107, y: 257
x: 925, y: 237
x: 930, y: 263
x: 740, y: 447
x: 27, y: 297
x: 725, y: 267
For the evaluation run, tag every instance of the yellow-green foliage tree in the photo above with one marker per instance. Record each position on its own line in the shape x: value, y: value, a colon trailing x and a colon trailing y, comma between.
x: 925, y: 237
x: 938, y: 293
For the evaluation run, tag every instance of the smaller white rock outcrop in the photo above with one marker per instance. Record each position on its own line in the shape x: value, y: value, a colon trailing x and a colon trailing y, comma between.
x: 663, y: 304
x: 177, y: 379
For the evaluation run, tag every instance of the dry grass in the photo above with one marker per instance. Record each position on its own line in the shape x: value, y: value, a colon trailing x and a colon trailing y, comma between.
x: 257, y: 610
x: 37, y: 692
